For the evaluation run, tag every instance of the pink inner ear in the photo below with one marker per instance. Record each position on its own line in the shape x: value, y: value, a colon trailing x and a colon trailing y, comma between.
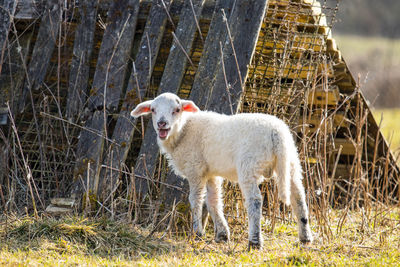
x: 145, y: 109
x: 190, y: 108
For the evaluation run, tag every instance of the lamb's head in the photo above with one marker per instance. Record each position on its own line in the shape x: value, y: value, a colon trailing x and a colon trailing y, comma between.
x: 166, y: 110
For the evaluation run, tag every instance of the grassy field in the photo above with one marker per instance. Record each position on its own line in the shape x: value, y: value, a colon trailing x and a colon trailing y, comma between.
x: 354, y: 239
x: 390, y: 127
x: 355, y: 47
x: 376, y: 61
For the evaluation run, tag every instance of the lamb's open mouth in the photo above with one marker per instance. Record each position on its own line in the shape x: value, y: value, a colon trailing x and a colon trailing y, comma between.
x: 163, y: 133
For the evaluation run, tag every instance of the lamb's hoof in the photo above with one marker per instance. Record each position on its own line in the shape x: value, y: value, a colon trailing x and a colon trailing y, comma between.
x: 221, y: 237
x: 306, y: 239
x: 254, y: 245
x: 306, y: 242
x: 198, y: 236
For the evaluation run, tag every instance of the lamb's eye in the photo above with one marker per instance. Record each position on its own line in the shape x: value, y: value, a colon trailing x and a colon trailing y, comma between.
x: 177, y: 110
x: 152, y: 110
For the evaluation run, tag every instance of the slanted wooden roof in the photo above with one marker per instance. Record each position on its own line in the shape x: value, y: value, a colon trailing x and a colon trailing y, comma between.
x: 84, y: 70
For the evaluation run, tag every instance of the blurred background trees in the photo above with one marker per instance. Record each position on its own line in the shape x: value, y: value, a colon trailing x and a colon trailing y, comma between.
x: 368, y: 34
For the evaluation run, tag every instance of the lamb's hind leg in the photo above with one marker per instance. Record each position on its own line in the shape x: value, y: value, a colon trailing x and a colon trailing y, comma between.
x: 196, y: 199
x: 204, y: 216
x: 299, y: 206
x: 253, y: 201
x: 215, y: 207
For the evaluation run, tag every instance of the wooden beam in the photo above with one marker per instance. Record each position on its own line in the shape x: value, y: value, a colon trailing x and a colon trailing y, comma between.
x: 43, y: 50
x: 137, y: 87
x: 170, y: 82
x: 7, y: 10
x: 321, y: 96
x: 348, y: 147
x: 237, y: 52
x: 13, y: 71
x: 107, y: 87
x: 210, y: 61
x: 317, y: 121
x: 114, y: 53
x: 79, y: 70
x: 29, y: 10
x: 90, y: 145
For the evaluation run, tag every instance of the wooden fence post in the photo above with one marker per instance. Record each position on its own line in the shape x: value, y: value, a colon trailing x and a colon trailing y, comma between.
x: 137, y: 86
x: 237, y: 52
x: 7, y: 10
x: 44, y: 46
x: 79, y: 71
x: 106, y: 90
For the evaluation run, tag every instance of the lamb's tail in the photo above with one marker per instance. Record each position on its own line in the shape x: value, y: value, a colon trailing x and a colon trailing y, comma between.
x: 283, y: 178
x: 287, y: 164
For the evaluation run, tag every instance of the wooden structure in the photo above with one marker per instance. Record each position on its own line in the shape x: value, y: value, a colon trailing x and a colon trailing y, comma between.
x: 73, y: 71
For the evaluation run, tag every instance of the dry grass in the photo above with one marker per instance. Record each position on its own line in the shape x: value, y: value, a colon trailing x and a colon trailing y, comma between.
x: 101, y: 237
x: 365, y: 238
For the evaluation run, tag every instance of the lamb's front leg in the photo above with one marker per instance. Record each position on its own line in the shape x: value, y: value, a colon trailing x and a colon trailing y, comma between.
x: 215, y: 207
x: 196, y: 199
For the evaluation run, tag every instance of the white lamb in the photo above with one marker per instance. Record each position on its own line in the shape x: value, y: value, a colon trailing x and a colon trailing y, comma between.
x: 203, y: 146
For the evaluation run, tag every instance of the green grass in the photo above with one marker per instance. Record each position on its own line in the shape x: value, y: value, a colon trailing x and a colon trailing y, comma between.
x: 369, y: 240
x: 390, y: 126
x: 375, y: 65
x: 355, y: 47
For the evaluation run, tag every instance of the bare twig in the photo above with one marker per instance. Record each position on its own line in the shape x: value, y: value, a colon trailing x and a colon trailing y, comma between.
x: 28, y: 171
x: 183, y: 50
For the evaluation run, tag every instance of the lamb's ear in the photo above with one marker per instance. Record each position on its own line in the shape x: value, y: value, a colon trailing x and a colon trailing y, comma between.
x: 142, y: 109
x: 189, y: 106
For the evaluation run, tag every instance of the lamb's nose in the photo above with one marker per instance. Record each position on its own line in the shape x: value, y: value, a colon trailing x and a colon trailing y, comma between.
x: 161, y: 124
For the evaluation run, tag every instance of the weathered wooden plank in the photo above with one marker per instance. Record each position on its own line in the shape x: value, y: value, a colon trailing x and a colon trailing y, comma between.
x: 63, y: 202
x: 107, y: 86
x: 138, y: 83
x: 29, y: 10
x: 203, y: 82
x: 90, y: 145
x: 79, y: 70
x: 4, y: 159
x: 170, y: 82
x: 55, y: 210
x: 44, y: 46
x: 114, y: 53
x: 12, y: 75
x: 244, y: 26
x: 209, y: 61
x: 321, y: 96
x: 7, y: 10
